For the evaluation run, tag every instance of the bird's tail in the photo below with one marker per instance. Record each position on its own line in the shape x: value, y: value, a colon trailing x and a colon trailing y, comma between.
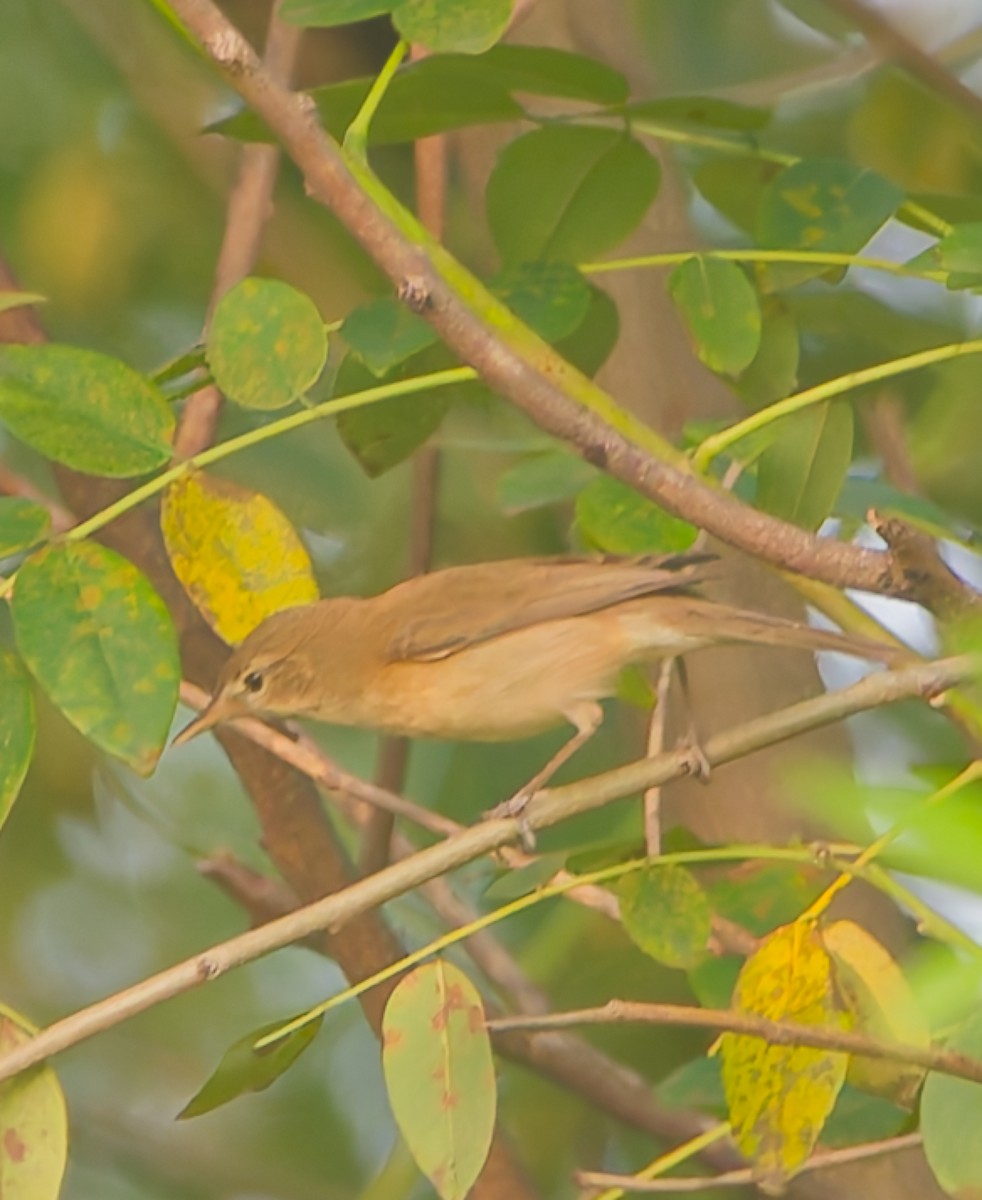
x: 723, y: 623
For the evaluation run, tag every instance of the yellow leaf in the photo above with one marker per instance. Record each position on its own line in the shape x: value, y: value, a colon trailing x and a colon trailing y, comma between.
x: 871, y: 986
x: 780, y: 1096
x: 238, y: 557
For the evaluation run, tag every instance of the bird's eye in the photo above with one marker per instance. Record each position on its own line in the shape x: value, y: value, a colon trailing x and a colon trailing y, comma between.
x: 253, y: 681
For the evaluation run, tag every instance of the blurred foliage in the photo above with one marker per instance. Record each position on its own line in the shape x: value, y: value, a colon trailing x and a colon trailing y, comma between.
x: 112, y: 206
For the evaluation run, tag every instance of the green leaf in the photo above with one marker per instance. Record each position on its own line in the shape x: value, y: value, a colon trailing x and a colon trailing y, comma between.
x: 801, y: 472
x: 86, y: 410
x: 773, y: 374
x: 326, y: 14
x: 451, y: 91
x: 590, y: 345
x: 951, y: 1116
x: 244, y: 1069
x: 720, y: 309
x: 821, y: 204
x: 384, y: 434
x: 439, y: 1073
x: 510, y: 885
x: 445, y: 26
x: 33, y: 1121
x: 961, y: 253
x: 22, y: 523
x: 544, y: 71
x: 266, y: 344
x: 701, y: 111
x: 551, y: 298
x: 568, y: 193
x: 9, y: 300
x: 612, y: 517
x: 735, y: 186
x: 666, y: 913
x: 435, y: 95
x: 101, y: 643
x: 695, y: 1085
x: 17, y: 727
x: 761, y: 896
x: 383, y: 333
x: 542, y: 479
x: 859, y: 1117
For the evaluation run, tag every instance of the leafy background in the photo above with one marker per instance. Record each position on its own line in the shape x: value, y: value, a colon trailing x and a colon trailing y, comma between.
x: 111, y: 205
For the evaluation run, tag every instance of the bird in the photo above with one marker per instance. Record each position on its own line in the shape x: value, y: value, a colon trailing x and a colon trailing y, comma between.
x: 495, y: 651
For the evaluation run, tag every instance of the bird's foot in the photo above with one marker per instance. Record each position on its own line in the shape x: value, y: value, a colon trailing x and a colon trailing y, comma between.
x: 694, y: 759
x: 515, y: 806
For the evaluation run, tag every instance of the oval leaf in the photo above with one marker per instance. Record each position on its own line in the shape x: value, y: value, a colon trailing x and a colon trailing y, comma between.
x: 16, y: 729
x: 779, y: 1097
x: 244, y: 1069
x: 266, y: 344
x: 802, y: 470
x: 22, y: 523
x: 720, y: 310
x: 614, y: 518
x: 238, y: 557
x: 822, y: 204
x: 383, y: 333
x: 951, y: 1117
x: 567, y: 193
x: 326, y: 14
x: 445, y: 26
x: 881, y: 1003
x: 99, y: 640
x: 551, y: 298
x: 439, y: 1073
x: 773, y: 374
x: 89, y: 411
x: 666, y: 913
x: 33, y: 1123
x: 541, y: 479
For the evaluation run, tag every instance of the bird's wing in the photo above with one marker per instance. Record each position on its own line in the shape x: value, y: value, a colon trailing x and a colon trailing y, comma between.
x: 467, y: 605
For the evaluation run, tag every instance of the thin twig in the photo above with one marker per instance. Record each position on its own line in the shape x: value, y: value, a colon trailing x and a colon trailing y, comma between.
x: 778, y: 1033
x: 744, y: 1177
x: 250, y: 205
x: 335, y: 911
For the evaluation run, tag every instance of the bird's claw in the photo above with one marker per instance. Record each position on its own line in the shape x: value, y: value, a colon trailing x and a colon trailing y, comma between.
x: 515, y: 806
x: 694, y: 760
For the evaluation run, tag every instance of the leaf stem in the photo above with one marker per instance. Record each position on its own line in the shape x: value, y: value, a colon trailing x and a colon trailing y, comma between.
x: 756, y: 254
x: 970, y: 774
x: 356, y: 135
x: 716, y: 443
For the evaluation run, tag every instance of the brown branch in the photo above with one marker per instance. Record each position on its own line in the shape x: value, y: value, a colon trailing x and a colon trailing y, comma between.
x: 897, y: 47
x: 920, y: 560
x: 337, y: 912
x: 778, y: 1033
x: 250, y: 205
x: 744, y: 1177
x: 430, y: 156
x: 546, y: 388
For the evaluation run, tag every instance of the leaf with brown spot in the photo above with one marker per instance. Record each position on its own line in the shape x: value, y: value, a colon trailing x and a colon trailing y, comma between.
x: 101, y: 643
x: 439, y: 1073
x: 33, y: 1123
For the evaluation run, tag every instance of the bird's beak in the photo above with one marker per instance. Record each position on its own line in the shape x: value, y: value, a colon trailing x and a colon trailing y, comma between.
x: 218, y: 709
